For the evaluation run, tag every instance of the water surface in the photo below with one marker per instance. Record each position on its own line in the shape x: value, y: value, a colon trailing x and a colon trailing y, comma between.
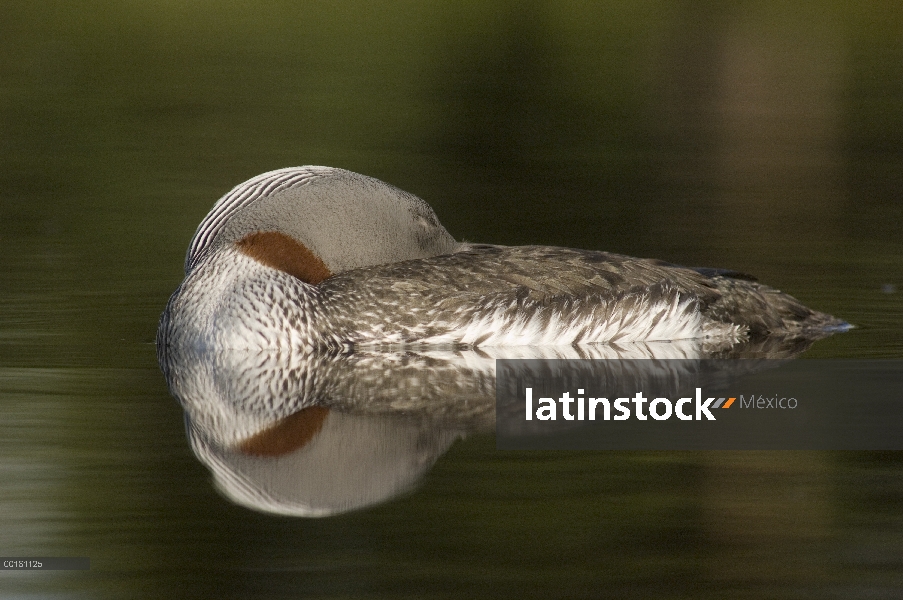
x: 764, y: 137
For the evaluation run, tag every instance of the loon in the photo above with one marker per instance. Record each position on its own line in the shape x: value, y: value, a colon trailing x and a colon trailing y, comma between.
x: 318, y: 258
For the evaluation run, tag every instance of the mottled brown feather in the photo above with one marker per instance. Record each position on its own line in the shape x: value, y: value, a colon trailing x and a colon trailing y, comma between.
x: 572, y: 281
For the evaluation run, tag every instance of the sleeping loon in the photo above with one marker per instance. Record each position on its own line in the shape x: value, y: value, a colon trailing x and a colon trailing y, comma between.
x: 310, y: 258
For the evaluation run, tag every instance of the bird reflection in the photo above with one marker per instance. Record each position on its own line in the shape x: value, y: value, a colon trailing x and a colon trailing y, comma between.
x: 318, y: 434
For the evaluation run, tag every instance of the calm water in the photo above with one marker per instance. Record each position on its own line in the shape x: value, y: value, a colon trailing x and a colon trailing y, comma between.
x: 767, y: 138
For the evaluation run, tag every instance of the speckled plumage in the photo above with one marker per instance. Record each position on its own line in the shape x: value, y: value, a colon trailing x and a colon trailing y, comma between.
x: 413, y: 285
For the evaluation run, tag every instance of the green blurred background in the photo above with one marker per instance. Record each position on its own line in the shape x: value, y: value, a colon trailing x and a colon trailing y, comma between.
x: 761, y: 136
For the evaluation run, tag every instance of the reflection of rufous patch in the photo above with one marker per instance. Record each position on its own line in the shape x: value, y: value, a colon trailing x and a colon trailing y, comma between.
x: 280, y: 251
x: 288, y: 435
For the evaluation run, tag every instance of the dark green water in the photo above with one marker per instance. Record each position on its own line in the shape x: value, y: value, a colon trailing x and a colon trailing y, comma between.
x: 767, y: 137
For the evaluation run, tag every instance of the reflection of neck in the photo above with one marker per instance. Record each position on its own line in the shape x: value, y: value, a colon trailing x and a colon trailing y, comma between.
x: 286, y: 435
